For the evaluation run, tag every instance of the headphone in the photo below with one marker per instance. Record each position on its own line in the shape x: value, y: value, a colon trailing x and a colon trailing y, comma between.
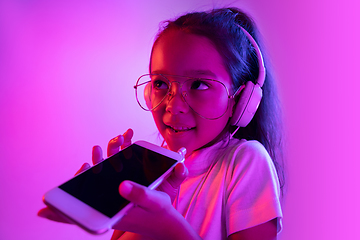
x: 251, y: 95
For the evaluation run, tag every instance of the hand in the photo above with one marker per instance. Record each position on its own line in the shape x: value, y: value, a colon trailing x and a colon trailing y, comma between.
x: 169, y: 186
x: 153, y: 216
x: 114, y: 146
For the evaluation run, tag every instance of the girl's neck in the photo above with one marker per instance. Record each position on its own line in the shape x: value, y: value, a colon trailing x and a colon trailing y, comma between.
x: 199, y: 161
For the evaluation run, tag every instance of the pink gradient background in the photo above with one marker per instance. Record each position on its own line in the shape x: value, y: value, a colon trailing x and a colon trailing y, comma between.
x: 66, y: 74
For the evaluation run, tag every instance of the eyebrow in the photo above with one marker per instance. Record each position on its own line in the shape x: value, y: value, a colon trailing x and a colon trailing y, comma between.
x: 192, y: 73
x: 201, y: 73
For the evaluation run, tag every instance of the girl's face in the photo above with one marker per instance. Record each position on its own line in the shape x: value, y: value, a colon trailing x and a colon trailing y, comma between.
x: 185, y: 54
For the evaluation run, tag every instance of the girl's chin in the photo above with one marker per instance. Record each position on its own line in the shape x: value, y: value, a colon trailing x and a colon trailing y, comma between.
x: 177, y: 140
x: 176, y: 146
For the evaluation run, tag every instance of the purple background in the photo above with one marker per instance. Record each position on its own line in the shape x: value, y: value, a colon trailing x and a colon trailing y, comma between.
x: 66, y: 74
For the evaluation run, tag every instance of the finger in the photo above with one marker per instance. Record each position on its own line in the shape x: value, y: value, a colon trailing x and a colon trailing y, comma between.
x: 178, y: 176
x: 84, y: 167
x: 114, y: 145
x: 122, y: 141
x: 97, y: 155
x: 127, y: 138
x: 172, y: 183
x: 143, y: 197
x: 49, y: 214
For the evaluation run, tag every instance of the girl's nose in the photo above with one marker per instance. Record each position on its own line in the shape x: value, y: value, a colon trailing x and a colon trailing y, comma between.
x: 175, y: 101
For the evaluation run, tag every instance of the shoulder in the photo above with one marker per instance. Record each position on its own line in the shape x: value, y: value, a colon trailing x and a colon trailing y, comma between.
x: 251, y: 147
x: 252, y: 186
x: 247, y: 152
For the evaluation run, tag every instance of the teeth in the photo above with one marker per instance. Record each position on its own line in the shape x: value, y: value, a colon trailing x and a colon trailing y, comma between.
x: 181, y: 128
x: 178, y: 129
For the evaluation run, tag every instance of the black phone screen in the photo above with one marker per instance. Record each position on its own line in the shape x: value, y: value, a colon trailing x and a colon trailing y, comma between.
x: 98, y: 186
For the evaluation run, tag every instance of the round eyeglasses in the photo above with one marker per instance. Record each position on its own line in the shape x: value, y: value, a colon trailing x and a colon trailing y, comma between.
x: 207, y: 97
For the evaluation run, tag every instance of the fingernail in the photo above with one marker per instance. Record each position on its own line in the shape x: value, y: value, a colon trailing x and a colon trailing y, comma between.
x: 114, y: 139
x: 117, y: 139
x: 129, y: 131
x: 125, y: 188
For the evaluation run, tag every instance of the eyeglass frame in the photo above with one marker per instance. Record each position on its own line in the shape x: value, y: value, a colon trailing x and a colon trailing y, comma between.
x: 181, y: 84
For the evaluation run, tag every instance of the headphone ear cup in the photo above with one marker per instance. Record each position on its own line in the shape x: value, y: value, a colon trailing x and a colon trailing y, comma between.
x: 247, y: 105
x: 147, y: 93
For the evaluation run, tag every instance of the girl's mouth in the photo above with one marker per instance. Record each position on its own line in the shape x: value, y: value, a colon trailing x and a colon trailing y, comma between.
x: 180, y: 129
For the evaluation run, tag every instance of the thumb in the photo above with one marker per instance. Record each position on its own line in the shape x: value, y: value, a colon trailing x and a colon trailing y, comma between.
x: 147, y: 199
x: 172, y: 183
x: 179, y: 175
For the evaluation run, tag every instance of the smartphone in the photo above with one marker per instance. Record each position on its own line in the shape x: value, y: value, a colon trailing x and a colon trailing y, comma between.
x: 91, y: 199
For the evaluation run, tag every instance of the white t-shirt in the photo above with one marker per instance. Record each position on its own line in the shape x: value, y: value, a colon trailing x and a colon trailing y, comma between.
x: 231, y: 186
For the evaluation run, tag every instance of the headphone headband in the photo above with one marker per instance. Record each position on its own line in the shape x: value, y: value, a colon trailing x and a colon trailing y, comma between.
x: 261, y: 77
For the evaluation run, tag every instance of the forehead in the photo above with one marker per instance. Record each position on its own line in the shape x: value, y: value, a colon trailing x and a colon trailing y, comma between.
x: 180, y: 53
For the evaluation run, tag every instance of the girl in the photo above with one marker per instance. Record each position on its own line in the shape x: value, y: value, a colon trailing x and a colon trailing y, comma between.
x: 204, y: 70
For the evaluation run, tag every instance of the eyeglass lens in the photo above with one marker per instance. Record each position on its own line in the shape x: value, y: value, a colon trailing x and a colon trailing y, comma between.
x: 208, y: 98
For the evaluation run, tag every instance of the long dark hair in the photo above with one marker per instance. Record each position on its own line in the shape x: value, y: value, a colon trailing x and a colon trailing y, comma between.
x: 221, y: 26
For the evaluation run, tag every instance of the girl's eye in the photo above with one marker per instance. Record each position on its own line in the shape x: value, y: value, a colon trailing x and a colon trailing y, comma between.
x: 160, y: 84
x: 199, y: 85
